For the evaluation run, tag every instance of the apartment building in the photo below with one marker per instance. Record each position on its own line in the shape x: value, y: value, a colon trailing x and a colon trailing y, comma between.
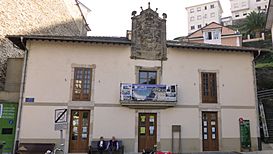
x: 203, y: 14
x: 240, y: 8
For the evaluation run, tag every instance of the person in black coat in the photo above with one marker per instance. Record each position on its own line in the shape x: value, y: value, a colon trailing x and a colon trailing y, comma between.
x: 113, y: 145
x: 101, y: 145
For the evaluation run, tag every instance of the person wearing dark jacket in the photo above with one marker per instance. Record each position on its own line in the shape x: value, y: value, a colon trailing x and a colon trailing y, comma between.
x: 101, y: 145
x: 112, y: 145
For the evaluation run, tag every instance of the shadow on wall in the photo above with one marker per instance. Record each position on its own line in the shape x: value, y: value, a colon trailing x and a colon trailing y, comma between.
x: 54, y: 17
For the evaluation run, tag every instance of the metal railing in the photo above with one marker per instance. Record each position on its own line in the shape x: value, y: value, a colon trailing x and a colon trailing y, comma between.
x: 262, y: 95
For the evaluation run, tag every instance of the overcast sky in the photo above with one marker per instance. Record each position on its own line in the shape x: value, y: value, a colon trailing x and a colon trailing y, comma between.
x: 113, y: 17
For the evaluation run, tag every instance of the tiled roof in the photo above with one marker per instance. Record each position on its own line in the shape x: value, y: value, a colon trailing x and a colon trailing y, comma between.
x: 190, y: 45
x: 16, y: 39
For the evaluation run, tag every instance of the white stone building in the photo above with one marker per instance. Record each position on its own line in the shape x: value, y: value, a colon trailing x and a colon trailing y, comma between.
x: 240, y: 8
x: 203, y: 14
x: 115, y: 86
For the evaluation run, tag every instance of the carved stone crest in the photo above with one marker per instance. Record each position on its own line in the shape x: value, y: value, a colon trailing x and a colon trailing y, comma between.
x: 148, y: 36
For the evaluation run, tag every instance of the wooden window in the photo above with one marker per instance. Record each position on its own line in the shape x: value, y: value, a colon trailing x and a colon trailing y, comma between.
x: 147, y: 77
x: 209, y: 87
x: 82, y: 84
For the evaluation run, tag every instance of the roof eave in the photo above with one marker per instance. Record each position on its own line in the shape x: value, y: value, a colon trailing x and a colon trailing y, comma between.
x: 222, y: 48
x: 17, y: 40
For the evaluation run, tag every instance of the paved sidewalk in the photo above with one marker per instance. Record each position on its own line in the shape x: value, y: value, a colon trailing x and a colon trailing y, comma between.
x: 259, y: 152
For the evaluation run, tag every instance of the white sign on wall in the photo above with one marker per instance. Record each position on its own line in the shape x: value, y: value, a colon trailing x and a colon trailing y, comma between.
x: 60, y: 119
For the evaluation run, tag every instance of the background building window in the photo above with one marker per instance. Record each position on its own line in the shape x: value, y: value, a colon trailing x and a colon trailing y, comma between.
x: 237, y: 15
x: 205, y: 16
x: 198, y: 9
x: 259, y: 7
x: 147, y: 77
x: 212, y: 15
x: 236, y: 5
x: 205, y: 7
x: 243, y: 4
x: 209, y: 87
x: 208, y: 35
x: 192, y: 27
x: 191, y: 10
x: 216, y: 35
x: 199, y: 26
x: 258, y: 0
x: 199, y: 17
x: 192, y: 19
x: 82, y: 84
x: 212, y: 6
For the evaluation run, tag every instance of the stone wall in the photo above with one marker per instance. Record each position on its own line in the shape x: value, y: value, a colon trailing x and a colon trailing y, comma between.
x: 148, y: 36
x: 46, y: 17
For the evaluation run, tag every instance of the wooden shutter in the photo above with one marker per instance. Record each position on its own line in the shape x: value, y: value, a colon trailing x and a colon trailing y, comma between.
x: 209, y: 87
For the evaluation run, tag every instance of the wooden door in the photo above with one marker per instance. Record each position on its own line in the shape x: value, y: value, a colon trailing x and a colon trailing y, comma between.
x: 210, y: 131
x: 79, y: 131
x: 147, y: 131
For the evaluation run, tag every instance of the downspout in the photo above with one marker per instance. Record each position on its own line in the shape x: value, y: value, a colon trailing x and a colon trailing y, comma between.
x: 257, y: 101
x: 21, y: 99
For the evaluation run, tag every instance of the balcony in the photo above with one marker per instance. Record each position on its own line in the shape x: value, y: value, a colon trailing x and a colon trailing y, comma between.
x: 148, y: 95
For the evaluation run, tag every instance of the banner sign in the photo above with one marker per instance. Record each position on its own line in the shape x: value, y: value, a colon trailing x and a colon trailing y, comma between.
x: 147, y: 92
x: 245, y: 134
x: 8, y: 119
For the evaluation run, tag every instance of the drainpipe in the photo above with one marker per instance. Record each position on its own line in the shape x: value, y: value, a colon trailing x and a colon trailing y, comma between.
x: 256, y: 101
x: 21, y: 99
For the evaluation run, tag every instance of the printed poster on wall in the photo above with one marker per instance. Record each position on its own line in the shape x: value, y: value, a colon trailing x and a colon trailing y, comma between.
x: 142, y: 130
